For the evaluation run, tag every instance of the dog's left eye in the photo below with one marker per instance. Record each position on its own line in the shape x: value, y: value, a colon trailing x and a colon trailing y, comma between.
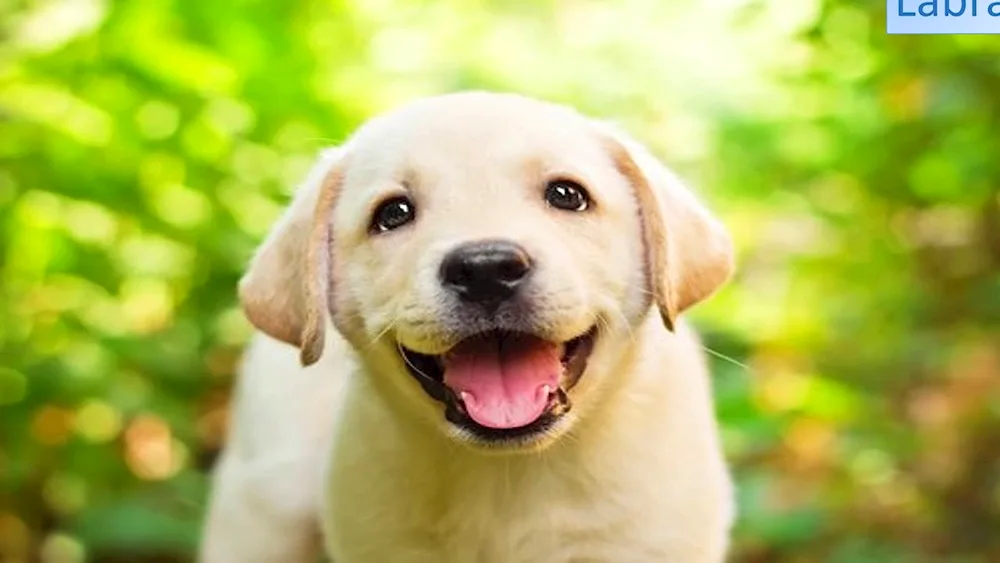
x: 392, y: 214
x: 567, y: 195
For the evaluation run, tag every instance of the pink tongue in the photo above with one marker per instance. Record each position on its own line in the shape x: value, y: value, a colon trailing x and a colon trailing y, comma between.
x: 503, y: 383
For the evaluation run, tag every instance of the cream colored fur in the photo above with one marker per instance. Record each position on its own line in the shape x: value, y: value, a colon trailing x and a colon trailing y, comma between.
x: 347, y: 456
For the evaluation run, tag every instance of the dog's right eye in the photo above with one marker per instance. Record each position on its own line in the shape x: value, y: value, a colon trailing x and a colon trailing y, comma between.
x: 567, y: 195
x: 392, y: 214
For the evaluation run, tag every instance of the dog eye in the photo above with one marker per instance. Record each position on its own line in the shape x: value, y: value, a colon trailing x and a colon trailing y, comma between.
x: 568, y: 195
x: 392, y: 214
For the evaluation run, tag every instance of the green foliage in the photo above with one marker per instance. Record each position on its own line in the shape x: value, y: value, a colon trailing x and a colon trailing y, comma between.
x: 146, y: 147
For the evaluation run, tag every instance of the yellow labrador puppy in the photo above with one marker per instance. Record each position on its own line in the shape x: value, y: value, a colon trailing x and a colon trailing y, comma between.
x: 470, y: 352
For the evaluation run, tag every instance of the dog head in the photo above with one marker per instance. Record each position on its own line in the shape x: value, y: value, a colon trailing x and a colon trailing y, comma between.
x: 489, y: 257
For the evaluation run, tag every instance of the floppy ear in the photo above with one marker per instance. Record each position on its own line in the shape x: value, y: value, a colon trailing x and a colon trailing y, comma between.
x: 285, y: 290
x: 689, y: 254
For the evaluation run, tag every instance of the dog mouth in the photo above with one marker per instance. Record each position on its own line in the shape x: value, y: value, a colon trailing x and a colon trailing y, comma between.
x: 501, y: 386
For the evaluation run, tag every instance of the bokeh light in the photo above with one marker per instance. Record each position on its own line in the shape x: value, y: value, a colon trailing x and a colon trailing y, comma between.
x: 147, y: 147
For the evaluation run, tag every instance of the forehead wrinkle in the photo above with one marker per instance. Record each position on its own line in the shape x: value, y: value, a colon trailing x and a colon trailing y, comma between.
x: 536, y: 167
x: 473, y: 171
x: 370, y: 170
x: 420, y: 171
x: 490, y: 149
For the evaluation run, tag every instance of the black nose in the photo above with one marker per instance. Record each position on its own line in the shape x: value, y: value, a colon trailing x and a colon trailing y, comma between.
x: 485, y: 272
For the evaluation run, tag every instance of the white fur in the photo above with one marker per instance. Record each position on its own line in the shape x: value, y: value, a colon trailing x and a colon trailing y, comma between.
x: 348, y: 457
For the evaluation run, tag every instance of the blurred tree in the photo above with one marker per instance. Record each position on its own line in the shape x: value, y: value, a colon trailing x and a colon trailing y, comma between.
x: 146, y: 147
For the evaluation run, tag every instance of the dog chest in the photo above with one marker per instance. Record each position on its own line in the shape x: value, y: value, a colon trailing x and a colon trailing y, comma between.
x: 503, y: 510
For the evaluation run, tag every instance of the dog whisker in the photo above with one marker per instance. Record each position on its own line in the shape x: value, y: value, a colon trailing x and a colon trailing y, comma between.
x: 729, y: 359
x: 605, y: 324
x: 326, y: 140
x: 402, y: 354
x: 374, y: 340
x: 641, y: 289
x: 616, y: 309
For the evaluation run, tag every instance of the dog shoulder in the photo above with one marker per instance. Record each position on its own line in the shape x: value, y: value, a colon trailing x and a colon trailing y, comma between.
x: 281, y: 407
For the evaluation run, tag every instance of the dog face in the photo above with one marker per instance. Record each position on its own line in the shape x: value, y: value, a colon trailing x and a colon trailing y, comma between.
x: 489, y: 257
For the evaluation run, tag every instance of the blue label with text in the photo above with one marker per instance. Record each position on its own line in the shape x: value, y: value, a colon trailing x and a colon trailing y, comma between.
x: 950, y: 17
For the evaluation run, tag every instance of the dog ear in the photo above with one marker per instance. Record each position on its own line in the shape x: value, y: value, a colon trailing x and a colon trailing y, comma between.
x: 689, y: 254
x: 285, y: 290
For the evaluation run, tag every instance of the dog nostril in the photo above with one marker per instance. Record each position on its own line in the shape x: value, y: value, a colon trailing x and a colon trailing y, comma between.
x: 462, y: 273
x: 485, y: 272
x: 512, y: 268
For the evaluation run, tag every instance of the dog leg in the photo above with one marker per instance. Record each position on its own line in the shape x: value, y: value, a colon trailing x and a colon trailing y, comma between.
x: 262, y: 514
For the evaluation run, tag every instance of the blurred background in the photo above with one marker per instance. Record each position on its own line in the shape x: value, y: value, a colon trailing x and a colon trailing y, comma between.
x: 146, y: 147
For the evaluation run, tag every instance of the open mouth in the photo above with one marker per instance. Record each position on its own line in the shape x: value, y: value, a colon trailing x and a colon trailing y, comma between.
x: 502, y: 386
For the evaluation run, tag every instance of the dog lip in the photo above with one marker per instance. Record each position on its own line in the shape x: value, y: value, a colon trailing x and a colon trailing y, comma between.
x: 428, y: 370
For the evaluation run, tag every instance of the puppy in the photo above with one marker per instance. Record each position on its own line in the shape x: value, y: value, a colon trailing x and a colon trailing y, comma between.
x: 470, y: 350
